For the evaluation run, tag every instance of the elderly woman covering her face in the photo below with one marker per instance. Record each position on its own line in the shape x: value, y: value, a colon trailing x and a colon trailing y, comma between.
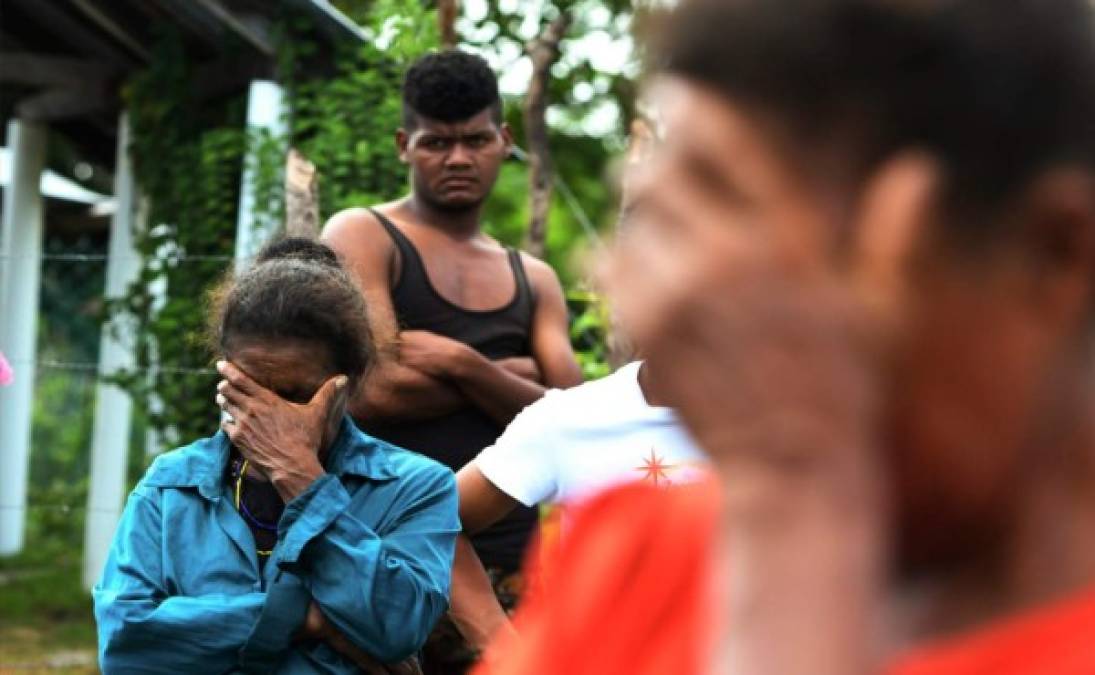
x: 290, y: 541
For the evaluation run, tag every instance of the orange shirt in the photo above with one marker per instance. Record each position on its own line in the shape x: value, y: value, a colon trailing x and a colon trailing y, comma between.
x: 630, y: 592
x: 1055, y: 640
x: 627, y: 591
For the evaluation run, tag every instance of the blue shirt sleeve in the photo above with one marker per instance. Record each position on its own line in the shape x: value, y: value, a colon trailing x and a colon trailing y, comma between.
x: 383, y: 590
x: 141, y: 628
x: 287, y: 600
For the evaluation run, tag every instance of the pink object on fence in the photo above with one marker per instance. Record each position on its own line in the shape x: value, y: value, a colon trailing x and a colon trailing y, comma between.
x: 6, y: 376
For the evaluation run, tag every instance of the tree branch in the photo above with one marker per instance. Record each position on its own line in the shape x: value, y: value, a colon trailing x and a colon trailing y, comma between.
x: 544, y: 52
x: 301, y: 196
x: 446, y: 18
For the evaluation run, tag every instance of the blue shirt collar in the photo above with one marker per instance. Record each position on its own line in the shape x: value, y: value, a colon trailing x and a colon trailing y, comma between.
x: 202, y: 464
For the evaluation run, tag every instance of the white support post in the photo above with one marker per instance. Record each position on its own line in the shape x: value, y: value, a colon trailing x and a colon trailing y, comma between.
x: 20, y: 275
x: 265, y: 113
x: 113, y: 406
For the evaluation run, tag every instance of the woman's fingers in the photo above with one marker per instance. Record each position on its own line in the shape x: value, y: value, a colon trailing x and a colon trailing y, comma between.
x: 231, y: 393
x: 234, y: 411
x: 330, y: 399
x: 238, y: 378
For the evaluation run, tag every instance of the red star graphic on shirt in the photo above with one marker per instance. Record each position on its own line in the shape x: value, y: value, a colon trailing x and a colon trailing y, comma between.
x: 655, y: 470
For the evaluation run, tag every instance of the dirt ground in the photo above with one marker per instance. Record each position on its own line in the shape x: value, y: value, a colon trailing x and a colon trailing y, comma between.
x: 25, y: 650
x: 46, y: 624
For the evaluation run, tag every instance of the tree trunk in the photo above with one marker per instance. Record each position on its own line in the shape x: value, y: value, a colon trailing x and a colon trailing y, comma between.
x: 301, y: 196
x: 446, y: 18
x: 544, y: 52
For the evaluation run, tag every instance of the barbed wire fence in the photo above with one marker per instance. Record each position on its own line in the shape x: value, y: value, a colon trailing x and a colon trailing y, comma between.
x: 71, y: 315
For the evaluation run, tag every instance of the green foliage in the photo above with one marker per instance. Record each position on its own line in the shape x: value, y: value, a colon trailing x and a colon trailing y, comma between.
x: 63, y: 413
x: 265, y: 157
x: 581, y: 83
x: 402, y: 30
x: 64, y: 395
x: 187, y: 157
x: 47, y: 587
x: 589, y: 333
x: 44, y: 608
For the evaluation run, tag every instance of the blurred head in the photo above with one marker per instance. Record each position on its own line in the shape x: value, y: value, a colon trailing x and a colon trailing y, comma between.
x: 293, y: 320
x: 936, y: 157
x: 452, y: 136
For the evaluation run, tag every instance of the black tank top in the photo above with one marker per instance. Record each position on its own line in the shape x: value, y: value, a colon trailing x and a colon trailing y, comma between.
x: 456, y: 438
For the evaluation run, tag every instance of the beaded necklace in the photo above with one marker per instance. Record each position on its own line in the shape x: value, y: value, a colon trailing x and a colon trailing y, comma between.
x: 245, y: 512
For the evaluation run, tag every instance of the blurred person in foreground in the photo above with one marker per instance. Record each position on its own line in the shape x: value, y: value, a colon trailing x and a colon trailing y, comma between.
x: 290, y: 541
x: 469, y: 331
x: 562, y: 450
x: 862, y: 263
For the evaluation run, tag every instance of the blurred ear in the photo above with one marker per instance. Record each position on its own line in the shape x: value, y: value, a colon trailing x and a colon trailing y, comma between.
x: 402, y: 138
x: 894, y: 218
x: 507, y: 136
x: 1056, y: 233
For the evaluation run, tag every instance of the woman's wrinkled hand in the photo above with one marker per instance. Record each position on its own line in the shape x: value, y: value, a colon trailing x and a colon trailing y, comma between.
x: 280, y: 438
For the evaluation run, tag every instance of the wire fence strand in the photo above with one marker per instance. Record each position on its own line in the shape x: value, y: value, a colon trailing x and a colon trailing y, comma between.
x: 66, y: 372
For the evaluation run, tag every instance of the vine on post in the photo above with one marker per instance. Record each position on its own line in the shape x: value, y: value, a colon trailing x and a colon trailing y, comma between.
x: 187, y: 157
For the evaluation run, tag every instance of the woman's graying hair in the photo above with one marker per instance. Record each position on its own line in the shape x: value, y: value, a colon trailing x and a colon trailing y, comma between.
x: 296, y: 289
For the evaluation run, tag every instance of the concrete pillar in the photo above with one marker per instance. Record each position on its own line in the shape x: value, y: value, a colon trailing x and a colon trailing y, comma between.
x: 21, y: 233
x: 113, y: 406
x: 265, y: 113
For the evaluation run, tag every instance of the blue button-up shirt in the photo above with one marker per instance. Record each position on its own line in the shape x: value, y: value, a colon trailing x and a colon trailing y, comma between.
x: 371, y: 542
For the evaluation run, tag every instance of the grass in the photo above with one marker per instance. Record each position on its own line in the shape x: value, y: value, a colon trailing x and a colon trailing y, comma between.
x: 46, y: 622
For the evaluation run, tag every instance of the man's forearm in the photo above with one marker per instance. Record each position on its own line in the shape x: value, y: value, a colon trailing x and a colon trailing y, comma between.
x: 492, y: 388
x: 395, y: 392
x: 523, y: 366
x: 473, y: 607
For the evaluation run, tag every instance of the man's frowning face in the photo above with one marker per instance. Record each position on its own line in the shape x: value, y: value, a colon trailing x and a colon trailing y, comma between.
x: 454, y: 165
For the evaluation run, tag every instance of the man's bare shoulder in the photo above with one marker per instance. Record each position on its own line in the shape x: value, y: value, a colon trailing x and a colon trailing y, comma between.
x: 538, y: 269
x: 352, y: 231
x: 350, y: 222
x: 541, y: 275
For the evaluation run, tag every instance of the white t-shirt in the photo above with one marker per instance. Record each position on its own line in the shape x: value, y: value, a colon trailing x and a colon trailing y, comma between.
x: 573, y: 443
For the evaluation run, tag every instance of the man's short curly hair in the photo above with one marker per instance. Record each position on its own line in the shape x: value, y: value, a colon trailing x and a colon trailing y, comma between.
x: 449, y: 86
